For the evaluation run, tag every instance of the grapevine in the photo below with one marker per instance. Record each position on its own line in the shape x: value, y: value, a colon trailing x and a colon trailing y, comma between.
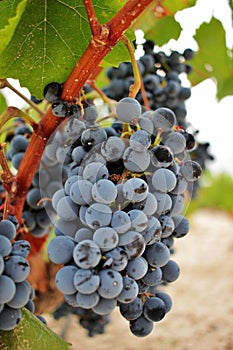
x: 96, y: 196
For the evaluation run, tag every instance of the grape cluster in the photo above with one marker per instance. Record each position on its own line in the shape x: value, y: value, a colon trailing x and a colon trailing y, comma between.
x: 15, y: 290
x: 120, y: 210
x: 161, y: 78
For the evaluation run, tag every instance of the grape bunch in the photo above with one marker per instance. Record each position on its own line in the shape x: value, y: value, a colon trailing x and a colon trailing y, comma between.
x: 120, y: 211
x: 15, y: 290
x: 161, y: 78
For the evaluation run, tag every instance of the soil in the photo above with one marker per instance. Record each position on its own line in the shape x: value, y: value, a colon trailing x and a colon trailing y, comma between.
x: 202, y: 313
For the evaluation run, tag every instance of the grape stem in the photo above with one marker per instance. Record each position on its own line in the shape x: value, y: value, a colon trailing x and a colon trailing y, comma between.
x: 111, y: 103
x: 12, y: 112
x: 7, y: 176
x: 135, y: 87
x: 8, y: 181
x: 7, y: 206
x: 143, y: 92
x: 179, y: 162
x: 5, y: 83
x: 111, y: 115
x: 158, y: 138
x: 99, y: 92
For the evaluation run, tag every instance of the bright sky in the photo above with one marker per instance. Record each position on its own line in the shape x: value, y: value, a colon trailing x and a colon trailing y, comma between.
x: 214, y: 119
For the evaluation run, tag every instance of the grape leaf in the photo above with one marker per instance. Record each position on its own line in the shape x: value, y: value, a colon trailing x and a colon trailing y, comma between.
x: 159, y: 24
x: 3, y: 104
x: 162, y: 29
x: 8, y: 11
x: 176, y: 5
x: 213, y: 59
x: 49, y: 39
x: 110, y: 60
x: 31, y: 333
x: 10, y: 16
x: 230, y: 2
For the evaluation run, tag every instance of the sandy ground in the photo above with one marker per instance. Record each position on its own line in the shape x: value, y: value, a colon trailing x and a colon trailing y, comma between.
x: 202, y: 314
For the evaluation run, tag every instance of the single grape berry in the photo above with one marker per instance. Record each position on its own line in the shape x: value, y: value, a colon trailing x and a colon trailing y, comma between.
x: 164, y: 118
x: 52, y: 92
x: 60, y: 108
x: 128, y: 109
x: 191, y: 170
x: 154, y: 309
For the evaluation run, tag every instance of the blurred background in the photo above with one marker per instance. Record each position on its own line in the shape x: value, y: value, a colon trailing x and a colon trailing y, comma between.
x: 202, y: 314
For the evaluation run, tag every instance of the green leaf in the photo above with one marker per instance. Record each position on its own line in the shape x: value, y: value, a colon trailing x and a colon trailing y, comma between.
x: 31, y: 334
x: 158, y: 22
x: 9, y: 21
x: 162, y: 29
x: 119, y: 52
x: 230, y: 2
x: 3, y: 104
x: 49, y: 39
x: 177, y: 5
x: 102, y: 79
x: 8, y: 10
x: 213, y: 59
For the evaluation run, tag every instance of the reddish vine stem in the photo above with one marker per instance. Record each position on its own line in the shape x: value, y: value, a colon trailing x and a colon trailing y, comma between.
x: 7, y: 176
x: 32, y: 156
x: 7, y: 206
x: 98, y: 48
x: 93, y: 21
x: 8, y: 180
x: 96, y: 71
